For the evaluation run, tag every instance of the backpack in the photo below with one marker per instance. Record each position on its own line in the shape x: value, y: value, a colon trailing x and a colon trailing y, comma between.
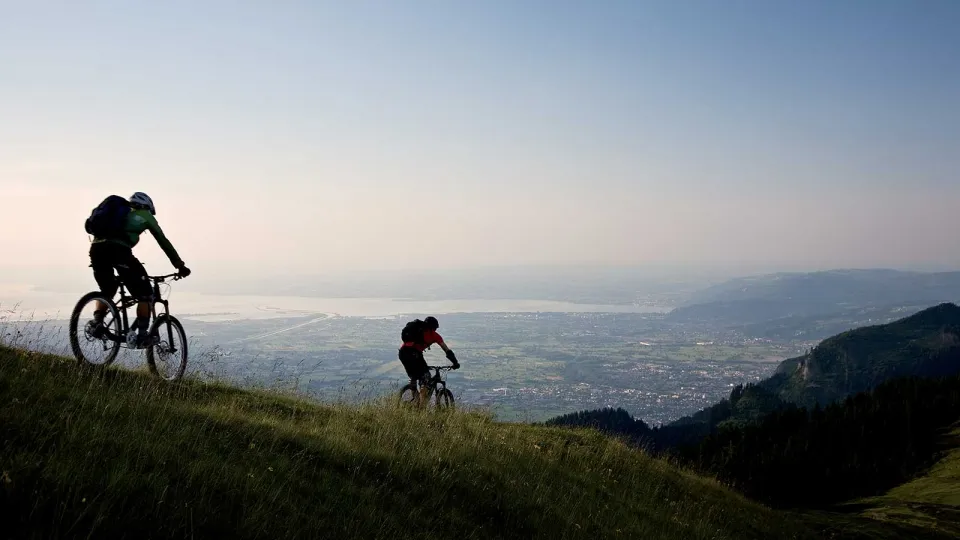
x: 108, y: 219
x: 413, y: 331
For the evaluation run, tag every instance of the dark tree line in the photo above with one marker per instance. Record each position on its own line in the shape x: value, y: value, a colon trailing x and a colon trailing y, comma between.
x: 616, y: 422
x: 745, y: 404
x: 863, y: 445
x: 860, y: 446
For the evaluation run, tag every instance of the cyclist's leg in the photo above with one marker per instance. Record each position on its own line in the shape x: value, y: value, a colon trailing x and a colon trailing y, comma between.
x: 422, y: 374
x: 101, y: 261
x: 404, y: 355
x: 134, y: 276
x: 425, y: 388
x: 415, y: 366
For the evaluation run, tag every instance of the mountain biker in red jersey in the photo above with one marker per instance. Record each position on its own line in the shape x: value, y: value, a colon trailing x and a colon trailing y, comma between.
x: 418, y: 336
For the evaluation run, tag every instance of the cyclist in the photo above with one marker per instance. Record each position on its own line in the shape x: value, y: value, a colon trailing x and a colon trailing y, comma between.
x: 116, y: 251
x: 418, y: 336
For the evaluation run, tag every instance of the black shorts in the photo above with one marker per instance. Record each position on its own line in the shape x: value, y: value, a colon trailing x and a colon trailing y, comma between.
x: 105, y: 256
x: 413, y: 361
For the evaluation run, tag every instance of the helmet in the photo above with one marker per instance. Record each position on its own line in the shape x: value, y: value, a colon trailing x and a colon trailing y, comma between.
x: 431, y: 323
x: 142, y: 199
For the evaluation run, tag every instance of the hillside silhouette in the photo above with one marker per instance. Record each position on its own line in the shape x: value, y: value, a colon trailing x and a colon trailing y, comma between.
x: 119, y: 454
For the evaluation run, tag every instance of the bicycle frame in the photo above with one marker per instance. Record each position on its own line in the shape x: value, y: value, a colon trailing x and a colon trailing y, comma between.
x: 436, y: 382
x: 127, y: 301
x: 434, y: 386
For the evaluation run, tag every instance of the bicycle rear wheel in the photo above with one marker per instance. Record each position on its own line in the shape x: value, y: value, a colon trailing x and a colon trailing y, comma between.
x: 167, y: 358
x: 93, y: 344
x: 408, y: 395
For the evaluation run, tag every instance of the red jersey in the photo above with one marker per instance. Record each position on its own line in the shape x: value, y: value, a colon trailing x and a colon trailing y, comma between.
x: 429, y: 338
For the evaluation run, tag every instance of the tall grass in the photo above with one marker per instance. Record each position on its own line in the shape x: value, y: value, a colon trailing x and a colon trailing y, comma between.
x: 106, y: 454
x: 931, y: 501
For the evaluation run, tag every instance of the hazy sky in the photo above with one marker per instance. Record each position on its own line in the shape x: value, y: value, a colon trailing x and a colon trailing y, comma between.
x: 310, y: 136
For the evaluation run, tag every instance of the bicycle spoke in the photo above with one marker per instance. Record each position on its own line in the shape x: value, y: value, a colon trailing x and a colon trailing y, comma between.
x: 90, y: 341
x: 167, y: 358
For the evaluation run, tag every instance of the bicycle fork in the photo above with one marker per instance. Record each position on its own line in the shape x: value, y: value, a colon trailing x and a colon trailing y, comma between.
x: 158, y: 299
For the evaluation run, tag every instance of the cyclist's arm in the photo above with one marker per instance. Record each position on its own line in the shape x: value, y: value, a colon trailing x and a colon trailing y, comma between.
x: 450, y: 355
x: 435, y: 338
x: 165, y: 244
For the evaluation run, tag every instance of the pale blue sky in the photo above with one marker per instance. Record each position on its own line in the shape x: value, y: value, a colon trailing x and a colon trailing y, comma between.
x: 284, y: 135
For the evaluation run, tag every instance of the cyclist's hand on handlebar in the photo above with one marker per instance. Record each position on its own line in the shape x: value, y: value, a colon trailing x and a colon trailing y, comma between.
x: 184, y: 271
x: 453, y: 359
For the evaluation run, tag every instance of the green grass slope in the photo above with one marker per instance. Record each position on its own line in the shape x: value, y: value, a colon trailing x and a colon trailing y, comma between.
x: 120, y: 455
x: 931, y: 501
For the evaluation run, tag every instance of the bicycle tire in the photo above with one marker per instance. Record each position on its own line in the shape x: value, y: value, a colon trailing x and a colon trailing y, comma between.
x: 163, y: 337
x: 412, y: 400
x: 75, y: 323
x: 445, y: 399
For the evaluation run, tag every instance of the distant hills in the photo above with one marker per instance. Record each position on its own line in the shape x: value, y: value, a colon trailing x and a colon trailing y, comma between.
x: 794, y: 296
x: 926, y: 344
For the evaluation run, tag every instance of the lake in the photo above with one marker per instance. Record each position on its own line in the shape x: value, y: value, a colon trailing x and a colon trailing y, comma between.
x: 19, y: 301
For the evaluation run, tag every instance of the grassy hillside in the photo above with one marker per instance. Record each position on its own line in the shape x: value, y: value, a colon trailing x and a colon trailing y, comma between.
x: 931, y: 501
x: 118, y: 454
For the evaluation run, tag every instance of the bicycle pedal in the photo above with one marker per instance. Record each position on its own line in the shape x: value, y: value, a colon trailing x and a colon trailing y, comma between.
x: 134, y: 341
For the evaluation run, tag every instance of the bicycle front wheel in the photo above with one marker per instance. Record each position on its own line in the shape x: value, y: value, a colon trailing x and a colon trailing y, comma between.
x: 167, y: 357
x: 95, y: 344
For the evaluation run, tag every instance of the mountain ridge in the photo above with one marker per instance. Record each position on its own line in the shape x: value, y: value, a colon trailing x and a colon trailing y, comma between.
x: 765, y: 297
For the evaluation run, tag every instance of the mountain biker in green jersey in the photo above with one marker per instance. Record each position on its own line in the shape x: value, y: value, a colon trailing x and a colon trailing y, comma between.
x: 117, y: 252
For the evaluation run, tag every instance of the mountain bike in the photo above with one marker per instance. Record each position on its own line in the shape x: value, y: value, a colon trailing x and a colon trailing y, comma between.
x: 436, y: 386
x: 167, y: 345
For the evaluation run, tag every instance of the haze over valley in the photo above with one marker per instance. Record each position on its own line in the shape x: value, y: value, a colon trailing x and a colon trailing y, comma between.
x: 663, y: 355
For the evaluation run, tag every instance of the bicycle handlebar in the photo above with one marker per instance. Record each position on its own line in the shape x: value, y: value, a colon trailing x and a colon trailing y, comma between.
x: 161, y: 279
x: 440, y: 367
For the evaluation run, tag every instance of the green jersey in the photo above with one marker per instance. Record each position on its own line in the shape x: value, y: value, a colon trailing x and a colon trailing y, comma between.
x: 139, y: 220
